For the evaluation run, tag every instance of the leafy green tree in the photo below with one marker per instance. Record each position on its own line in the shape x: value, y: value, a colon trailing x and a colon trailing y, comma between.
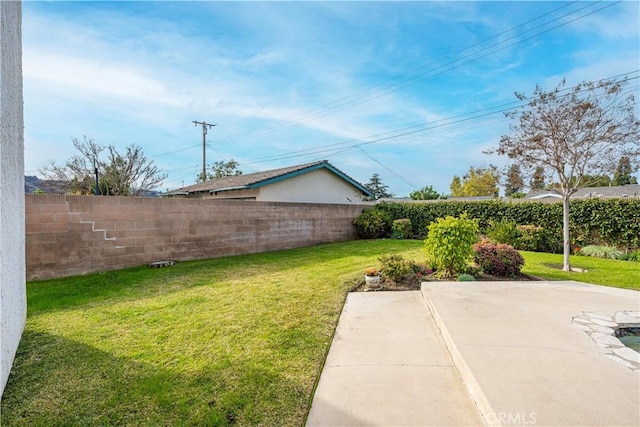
x: 120, y: 174
x: 622, y: 175
x: 425, y: 193
x: 220, y: 170
x: 378, y: 189
x: 574, y: 133
x: 477, y: 182
x: 538, y: 179
x: 456, y: 186
x: 514, y: 183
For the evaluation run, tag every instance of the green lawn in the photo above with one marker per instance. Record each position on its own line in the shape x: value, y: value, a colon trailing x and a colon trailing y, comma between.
x: 607, y: 272
x: 237, y: 340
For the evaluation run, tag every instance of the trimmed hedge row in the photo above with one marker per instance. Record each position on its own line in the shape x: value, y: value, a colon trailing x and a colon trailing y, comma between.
x: 592, y: 221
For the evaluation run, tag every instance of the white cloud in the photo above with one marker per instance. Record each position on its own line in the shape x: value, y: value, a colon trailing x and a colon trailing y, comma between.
x: 91, y: 78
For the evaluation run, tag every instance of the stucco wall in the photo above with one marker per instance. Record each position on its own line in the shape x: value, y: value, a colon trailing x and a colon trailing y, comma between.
x: 12, y: 242
x: 319, y: 186
x: 69, y: 235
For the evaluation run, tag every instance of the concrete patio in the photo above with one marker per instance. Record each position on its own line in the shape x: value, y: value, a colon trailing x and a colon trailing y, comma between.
x: 477, y: 353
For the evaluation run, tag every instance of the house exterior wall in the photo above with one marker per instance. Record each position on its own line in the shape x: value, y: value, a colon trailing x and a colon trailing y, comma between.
x: 12, y: 240
x: 70, y: 235
x: 319, y: 186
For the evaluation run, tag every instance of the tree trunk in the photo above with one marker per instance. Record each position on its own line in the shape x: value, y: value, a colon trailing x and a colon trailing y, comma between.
x: 565, y: 233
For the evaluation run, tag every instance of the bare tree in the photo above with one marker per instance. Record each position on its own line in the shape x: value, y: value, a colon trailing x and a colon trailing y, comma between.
x: 573, y: 132
x: 128, y: 174
x: 131, y: 173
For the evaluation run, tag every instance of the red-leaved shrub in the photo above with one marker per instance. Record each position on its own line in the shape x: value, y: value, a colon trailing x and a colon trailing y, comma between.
x: 497, y: 259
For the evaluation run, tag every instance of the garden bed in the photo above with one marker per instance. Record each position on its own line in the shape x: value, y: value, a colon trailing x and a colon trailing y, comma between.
x: 413, y: 283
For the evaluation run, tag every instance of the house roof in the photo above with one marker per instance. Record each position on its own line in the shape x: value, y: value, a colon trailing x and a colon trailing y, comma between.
x: 259, y: 179
x: 629, y: 190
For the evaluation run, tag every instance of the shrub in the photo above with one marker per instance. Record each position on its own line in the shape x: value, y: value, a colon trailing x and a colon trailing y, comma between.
x: 449, y: 244
x: 538, y: 239
x: 372, y: 224
x: 631, y: 256
x: 401, y: 229
x: 395, y: 267
x: 601, y: 252
x: 464, y: 277
x: 497, y: 259
x: 503, y: 231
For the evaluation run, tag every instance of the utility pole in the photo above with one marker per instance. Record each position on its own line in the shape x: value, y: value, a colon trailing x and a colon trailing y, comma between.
x: 95, y: 171
x: 205, y: 125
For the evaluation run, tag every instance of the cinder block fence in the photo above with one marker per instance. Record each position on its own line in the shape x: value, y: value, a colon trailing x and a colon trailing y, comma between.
x: 69, y: 235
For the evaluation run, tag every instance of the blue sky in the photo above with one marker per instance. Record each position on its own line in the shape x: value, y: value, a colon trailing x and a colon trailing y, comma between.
x: 402, y: 89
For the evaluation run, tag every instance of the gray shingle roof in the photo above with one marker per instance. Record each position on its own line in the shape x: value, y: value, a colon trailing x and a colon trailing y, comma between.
x: 257, y: 179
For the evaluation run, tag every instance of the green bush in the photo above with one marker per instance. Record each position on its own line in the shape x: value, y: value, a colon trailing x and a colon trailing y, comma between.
x: 449, y: 244
x: 538, y: 239
x: 395, y: 267
x: 401, y: 229
x: 497, y: 259
x: 631, y: 256
x: 372, y: 224
x: 503, y: 231
x: 464, y: 277
x: 600, y: 251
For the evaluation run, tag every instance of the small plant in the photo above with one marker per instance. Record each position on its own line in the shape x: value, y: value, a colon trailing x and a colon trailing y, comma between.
x: 421, y: 269
x: 608, y: 252
x: 464, y: 277
x: 372, y: 224
x: 371, y: 272
x: 449, y: 244
x: 401, y: 229
x: 631, y: 256
x: 497, y: 259
x: 395, y: 267
x: 503, y: 231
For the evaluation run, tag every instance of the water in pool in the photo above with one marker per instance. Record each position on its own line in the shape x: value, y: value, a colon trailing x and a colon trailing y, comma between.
x: 630, y: 337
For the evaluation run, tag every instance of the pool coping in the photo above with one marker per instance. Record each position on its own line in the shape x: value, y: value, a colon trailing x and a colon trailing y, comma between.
x: 601, y: 327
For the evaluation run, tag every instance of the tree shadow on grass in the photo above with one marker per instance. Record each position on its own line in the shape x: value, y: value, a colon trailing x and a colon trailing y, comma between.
x: 57, y: 381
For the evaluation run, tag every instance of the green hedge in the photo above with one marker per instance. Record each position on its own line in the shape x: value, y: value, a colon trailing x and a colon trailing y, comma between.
x: 592, y: 221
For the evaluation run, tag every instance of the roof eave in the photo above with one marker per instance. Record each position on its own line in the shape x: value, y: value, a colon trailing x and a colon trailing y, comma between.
x: 239, y: 187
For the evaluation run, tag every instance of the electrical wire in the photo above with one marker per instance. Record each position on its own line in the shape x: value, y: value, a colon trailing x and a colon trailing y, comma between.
x: 354, y: 100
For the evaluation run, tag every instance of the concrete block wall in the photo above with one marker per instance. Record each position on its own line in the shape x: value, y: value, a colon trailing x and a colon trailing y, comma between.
x: 69, y: 235
x: 12, y: 260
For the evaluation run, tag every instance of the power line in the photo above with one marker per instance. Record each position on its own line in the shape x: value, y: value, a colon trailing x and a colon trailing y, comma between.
x: 387, y: 87
x: 397, y: 175
x: 414, y: 129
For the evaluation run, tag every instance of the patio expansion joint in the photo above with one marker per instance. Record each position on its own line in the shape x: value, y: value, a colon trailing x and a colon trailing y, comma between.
x: 471, y: 384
